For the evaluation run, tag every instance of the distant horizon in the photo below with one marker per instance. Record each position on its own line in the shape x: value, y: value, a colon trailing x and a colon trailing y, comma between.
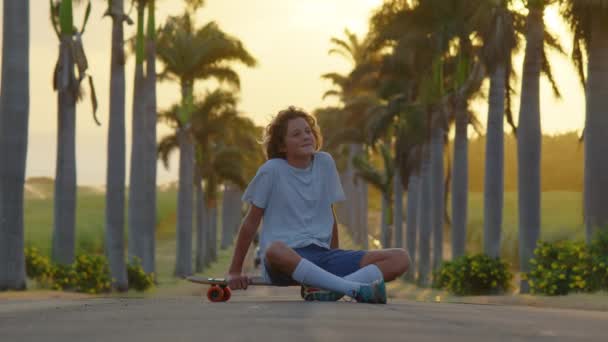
x: 472, y: 140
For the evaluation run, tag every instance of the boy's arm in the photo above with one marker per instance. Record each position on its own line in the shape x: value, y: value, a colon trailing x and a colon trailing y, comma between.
x: 335, y: 241
x: 243, y: 241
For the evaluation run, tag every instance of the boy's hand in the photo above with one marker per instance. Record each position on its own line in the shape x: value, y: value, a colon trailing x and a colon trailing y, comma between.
x: 237, y: 281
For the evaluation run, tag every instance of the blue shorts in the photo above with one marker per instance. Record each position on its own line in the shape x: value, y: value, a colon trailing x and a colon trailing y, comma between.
x: 336, y: 261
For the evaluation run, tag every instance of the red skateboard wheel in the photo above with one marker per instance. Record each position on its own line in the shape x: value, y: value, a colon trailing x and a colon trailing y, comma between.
x: 227, y: 293
x: 215, y: 294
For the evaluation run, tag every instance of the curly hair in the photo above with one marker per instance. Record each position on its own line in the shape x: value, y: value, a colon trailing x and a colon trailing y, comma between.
x: 275, y: 132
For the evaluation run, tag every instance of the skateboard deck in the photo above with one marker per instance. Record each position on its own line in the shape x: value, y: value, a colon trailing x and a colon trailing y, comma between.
x: 218, y: 287
x: 255, y: 281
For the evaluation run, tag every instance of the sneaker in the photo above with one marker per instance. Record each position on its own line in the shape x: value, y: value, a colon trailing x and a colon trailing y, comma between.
x: 316, y: 294
x: 374, y: 293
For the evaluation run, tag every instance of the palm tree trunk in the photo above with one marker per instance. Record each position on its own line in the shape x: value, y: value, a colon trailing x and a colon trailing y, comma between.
x: 413, y: 202
x: 14, y: 118
x: 386, y: 231
x: 239, y: 212
x: 424, y: 243
x: 137, y: 191
x: 183, y: 263
x: 359, y: 202
x: 460, y: 180
x: 115, y: 181
x: 529, y: 143
x: 398, y: 209
x: 437, y: 192
x: 207, y: 234
x: 596, y: 129
x: 228, y: 215
x: 363, y: 214
x: 64, y: 223
x: 494, y: 174
x: 213, y: 232
x: 150, y: 113
x: 351, y: 196
x: 200, y: 225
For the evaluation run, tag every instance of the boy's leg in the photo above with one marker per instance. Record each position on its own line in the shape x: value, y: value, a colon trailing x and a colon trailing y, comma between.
x: 367, y: 274
x: 392, y: 262
x: 284, y: 259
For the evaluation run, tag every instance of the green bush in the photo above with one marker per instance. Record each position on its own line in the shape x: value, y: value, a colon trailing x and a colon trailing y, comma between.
x: 138, y: 279
x: 88, y: 273
x: 474, y: 275
x: 37, y: 266
x: 63, y: 277
x: 91, y: 274
x: 559, y: 268
x: 599, y: 261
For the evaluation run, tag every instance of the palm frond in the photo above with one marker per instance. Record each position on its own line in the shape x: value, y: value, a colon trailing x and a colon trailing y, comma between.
x: 165, y: 147
x: 366, y: 170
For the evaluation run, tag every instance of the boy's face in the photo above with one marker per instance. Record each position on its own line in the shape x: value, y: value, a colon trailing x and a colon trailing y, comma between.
x: 299, y: 141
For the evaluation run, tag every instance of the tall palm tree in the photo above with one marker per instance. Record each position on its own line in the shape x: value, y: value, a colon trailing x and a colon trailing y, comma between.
x: 381, y: 180
x: 242, y: 133
x: 529, y: 133
x: 498, y: 34
x: 67, y: 85
x: 150, y: 110
x: 412, y: 212
x: 215, y: 126
x: 391, y: 27
x: 14, y: 115
x: 138, y: 216
x: 360, y: 54
x: 425, y: 218
x: 115, y: 174
x: 412, y: 31
x: 587, y: 20
x: 189, y: 54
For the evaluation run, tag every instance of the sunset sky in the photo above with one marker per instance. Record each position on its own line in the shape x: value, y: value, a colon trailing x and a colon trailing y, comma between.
x: 290, y: 39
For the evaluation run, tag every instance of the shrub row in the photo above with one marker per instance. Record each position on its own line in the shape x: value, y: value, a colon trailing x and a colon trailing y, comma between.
x: 88, y: 273
x: 557, y: 268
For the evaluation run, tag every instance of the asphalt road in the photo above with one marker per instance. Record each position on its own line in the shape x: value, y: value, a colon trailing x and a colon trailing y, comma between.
x: 270, y: 314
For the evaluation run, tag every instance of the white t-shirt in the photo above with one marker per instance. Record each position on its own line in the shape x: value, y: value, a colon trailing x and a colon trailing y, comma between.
x: 297, y: 202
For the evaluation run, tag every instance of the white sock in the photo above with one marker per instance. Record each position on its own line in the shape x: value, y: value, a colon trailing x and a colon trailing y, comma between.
x: 366, y: 275
x: 310, y: 274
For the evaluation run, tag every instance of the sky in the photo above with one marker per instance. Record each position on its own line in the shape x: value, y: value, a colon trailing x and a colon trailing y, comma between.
x: 289, y: 38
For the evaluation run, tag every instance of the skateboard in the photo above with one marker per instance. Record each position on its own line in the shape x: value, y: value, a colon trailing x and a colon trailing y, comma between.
x: 219, y: 291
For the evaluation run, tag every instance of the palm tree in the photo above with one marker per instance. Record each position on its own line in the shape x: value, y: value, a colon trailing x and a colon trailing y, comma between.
x: 189, y: 54
x: 391, y: 27
x: 381, y: 180
x: 138, y: 216
x: 215, y: 126
x: 587, y: 21
x: 115, y: 175
x: 498, y: 33
x: 230, y: 216
x: 14, y: 114
x: 67, y: 85
x: 150, y: 110
x: 241, y: 133
x: 425, y: 218
x: 415, y: 32
x: 529, y: 131
x: 412, y: 213
x: 347, y: 87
